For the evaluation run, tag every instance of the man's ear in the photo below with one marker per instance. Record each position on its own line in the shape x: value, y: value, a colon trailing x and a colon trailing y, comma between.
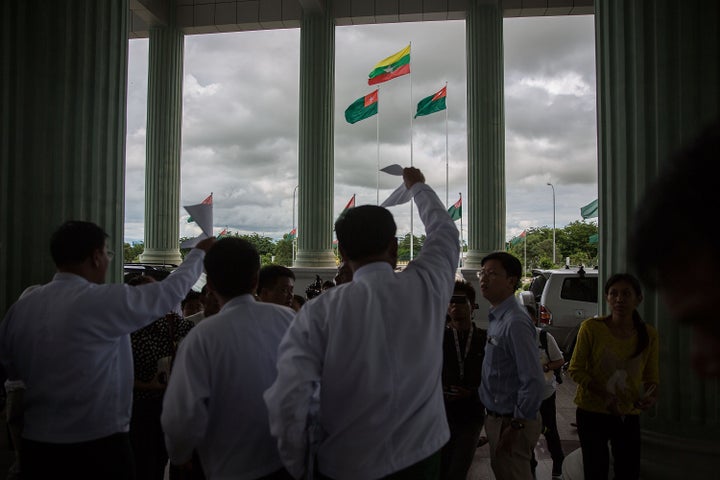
x: 341, y: 252
x: 96, y: 257
x: 393, y: 248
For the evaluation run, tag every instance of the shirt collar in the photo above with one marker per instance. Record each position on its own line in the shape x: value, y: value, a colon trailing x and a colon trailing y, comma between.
x: 371, y: 268
x: 498, y: 311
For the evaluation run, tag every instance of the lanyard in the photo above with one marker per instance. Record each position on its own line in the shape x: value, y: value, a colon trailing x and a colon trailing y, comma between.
x: 460, y: 357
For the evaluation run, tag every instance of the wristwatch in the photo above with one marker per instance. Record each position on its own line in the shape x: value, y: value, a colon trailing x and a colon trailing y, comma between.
x: 517, y: 424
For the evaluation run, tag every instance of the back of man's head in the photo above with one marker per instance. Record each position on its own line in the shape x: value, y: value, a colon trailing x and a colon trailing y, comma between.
x: 269, y: 275
x: 75, y: 241
x: 365, y: 231
x: 231, y: 266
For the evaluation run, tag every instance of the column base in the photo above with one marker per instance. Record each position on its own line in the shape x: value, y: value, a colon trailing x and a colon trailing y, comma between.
x: 161, y: 256
x: 306, y: 276
x: 315, y: 259
x: 472, y: 259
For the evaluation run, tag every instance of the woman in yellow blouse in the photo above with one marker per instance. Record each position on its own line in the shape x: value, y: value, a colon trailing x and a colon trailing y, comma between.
x: 615, y: 364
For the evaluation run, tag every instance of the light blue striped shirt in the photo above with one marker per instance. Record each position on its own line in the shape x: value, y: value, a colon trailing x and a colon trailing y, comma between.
x: 512, y: 378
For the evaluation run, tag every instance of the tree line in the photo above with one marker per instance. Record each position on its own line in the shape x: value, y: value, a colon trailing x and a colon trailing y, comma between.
x: 573, y: 241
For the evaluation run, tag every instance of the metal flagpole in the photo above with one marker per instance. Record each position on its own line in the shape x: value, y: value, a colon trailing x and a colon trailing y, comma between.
x: 525, y: 253
x: 461, y: 229
x: 411, y: 160
x: 377, y: 136
x: 447, y: 157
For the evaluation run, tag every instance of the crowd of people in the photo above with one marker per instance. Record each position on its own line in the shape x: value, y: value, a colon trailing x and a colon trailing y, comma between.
x: 377, y: 374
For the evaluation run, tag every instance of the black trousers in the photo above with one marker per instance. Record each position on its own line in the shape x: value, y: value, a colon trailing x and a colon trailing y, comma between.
x: 427, y: 469
x: 108, y: 458
x: 595, y: 431
x: 548, y: 413
x: 147, y: 439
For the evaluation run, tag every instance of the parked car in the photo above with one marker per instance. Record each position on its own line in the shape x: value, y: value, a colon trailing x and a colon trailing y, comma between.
x: 566, y: 297
x: 157, y: 271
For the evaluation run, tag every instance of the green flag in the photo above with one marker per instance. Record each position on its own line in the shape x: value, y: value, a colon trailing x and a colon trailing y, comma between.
x: 362, y: 108
x: 456, y: 210
x: 594, y: 238
x: 433, y: 103
x: 590, y: 210
x: 519, y: 238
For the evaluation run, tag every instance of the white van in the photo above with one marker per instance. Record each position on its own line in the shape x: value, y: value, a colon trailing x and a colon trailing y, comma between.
x: 568, y: 297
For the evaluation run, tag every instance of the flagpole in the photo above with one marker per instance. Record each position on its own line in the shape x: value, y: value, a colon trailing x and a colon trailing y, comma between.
x: 411, y: 160
x: 377, y: 136
x: 293, y: 226
x: 447, y: 157
x: 461, y: 229
x: 525, y: 254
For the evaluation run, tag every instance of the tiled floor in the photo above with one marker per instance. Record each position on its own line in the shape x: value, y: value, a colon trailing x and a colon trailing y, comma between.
x: 481, y: 470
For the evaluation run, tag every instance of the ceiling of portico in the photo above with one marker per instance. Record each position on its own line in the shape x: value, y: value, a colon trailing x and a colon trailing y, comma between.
x: 209, y: 16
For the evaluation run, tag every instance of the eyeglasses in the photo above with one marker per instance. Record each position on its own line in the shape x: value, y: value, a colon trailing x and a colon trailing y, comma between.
x: 489, y: 274
x: 110, y: 254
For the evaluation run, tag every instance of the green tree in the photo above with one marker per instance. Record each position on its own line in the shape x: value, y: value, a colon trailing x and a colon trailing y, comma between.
x: 131, y: 252
x: 570, y: 241
x: 574, y: 243
x: 264, y: 245
x: 404, y: 247
x: 283, y: 251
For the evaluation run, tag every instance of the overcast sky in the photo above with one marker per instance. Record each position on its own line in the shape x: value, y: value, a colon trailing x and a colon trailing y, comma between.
x: 240, y: 122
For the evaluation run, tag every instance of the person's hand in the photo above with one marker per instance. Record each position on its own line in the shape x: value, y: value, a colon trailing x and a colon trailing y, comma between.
x: 411, y: 176
x: 205, y: 244
x: 649, y: 399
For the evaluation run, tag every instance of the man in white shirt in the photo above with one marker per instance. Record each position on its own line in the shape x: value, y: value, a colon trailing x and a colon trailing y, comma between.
x: 69, y: 341
x: 374, y: 346
x: 213, y: 402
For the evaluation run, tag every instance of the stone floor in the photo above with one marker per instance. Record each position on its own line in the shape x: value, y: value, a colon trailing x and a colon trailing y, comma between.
x: 481, y: 470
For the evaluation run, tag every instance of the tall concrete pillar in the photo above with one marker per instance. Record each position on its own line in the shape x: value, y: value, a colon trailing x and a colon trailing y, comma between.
x: 62, y: 130
x: 485, y: 131
x: 658, y: 71
x: 316, y: 158
x: 163, y: 143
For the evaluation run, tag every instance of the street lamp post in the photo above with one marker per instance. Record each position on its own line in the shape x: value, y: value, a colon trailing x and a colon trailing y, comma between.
x: 553, y: 190
x: 293, y: 225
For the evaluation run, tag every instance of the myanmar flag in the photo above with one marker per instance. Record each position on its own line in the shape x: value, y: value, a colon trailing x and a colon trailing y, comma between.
x: 456, y: 210
x: 392, y: 67
x: 362, y: 108
x: 433, y: 103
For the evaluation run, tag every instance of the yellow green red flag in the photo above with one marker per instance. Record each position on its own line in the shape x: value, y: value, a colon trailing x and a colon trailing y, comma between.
x: 392, y: 67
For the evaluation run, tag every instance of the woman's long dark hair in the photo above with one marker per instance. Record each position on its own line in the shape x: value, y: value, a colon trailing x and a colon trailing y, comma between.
x: 638, y: 323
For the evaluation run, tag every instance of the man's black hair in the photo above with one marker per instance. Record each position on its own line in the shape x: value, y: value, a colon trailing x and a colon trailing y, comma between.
x: 365, y: 231
x: 466, y: 288
x: 269, y: 275
x: 510, y: 263
x: 75, y: 241
x: 231, y: 266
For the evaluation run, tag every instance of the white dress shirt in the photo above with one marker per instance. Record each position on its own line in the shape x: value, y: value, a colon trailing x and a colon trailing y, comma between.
x: 69, y: 342
x: 375, y: 347
x: 214, y: 402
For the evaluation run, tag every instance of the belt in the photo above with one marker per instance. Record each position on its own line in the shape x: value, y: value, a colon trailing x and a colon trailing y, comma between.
x: 499, y: 415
